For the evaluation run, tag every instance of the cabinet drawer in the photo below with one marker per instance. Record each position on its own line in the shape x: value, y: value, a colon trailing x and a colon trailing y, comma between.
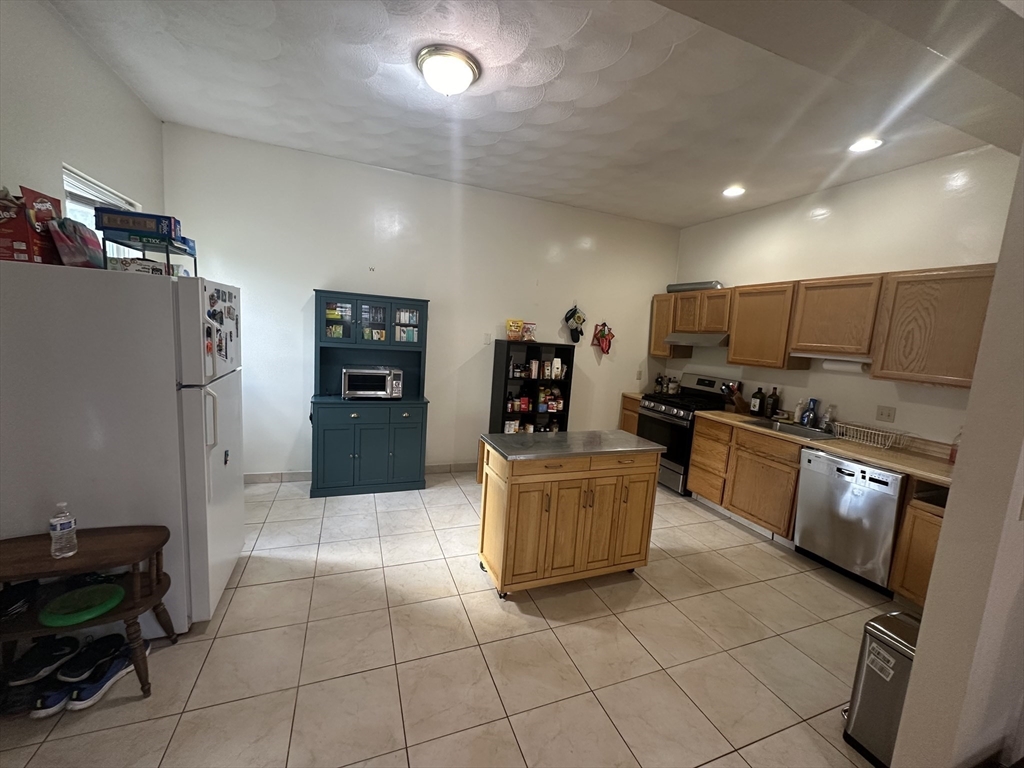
x: 550, y: 466
x: 772, y: 447
x: 710, y: 454
x: 705, y: 484
x: 713, y: 430
x: 405, y: 414
x: 624, y: 461
x: 342, y: 414
x: 630, y: 404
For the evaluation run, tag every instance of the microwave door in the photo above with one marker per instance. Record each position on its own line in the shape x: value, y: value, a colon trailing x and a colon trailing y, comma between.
x: 367, y: 385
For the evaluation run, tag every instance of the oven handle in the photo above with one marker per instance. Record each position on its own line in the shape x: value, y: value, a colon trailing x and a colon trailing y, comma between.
x: 669, y: 419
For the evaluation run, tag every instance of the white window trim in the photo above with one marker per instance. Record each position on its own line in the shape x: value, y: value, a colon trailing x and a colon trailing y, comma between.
x: 91, y: 192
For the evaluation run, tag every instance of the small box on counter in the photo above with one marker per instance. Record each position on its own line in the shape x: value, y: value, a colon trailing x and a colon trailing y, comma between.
x: 24, y: 231
x: 136, y: 223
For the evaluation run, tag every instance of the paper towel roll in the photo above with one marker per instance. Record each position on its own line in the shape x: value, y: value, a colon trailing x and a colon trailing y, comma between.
x: 844, y: 366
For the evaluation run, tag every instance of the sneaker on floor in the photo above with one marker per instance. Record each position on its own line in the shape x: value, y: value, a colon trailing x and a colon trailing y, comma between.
x: 95, y: 653
x: 84, y: 695
x: 18, y: 701
x: 42, y: 659
x: 51, y: 697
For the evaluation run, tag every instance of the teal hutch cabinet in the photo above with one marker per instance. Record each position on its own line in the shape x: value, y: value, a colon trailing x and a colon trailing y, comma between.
x: 368, y: 445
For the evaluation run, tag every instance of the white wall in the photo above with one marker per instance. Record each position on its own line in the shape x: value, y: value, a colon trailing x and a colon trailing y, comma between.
x: 61, y: 104
x: 944, y: 212
x: 966, y: 696
x: 280, y: 223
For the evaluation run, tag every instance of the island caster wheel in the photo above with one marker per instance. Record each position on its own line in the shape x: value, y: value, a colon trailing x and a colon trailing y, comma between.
x: 483, y: 568
x: 503, y: 595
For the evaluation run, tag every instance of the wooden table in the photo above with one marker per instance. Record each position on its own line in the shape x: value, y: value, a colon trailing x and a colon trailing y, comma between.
x: 99, y: 549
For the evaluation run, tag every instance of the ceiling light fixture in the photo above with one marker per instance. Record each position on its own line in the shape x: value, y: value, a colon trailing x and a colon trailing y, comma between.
x: 448, y: 70
x: 866, y: 144
x: 734, y: 191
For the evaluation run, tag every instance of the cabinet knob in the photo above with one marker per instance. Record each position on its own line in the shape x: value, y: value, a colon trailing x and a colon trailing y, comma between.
x: 626, y: 461
x: 351, y: 455
x: 391, y: 454
x: 405, y: 415
x: 353, y: 415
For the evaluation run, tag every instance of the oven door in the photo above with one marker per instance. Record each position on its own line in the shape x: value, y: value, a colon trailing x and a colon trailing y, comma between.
x: 675, y: 435
x: 371, y: 384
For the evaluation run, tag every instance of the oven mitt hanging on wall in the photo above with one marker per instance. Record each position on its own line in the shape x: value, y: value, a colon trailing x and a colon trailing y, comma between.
x: 603, y: 337
x: 575, y: 319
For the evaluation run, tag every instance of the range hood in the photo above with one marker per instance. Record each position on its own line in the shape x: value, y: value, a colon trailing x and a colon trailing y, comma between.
x: 697, y: 339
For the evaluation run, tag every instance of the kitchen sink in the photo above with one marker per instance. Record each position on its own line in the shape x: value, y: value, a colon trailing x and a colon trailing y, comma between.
x: 792, y: 429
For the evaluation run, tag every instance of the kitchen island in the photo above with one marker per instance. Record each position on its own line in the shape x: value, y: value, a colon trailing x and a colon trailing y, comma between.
x: 561, y: 506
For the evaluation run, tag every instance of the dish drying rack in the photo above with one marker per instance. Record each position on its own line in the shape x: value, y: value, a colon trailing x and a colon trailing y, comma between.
x: 873, y: 436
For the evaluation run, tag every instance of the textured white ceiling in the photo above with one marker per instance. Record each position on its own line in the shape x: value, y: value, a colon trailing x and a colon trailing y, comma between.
x: 615, y: 105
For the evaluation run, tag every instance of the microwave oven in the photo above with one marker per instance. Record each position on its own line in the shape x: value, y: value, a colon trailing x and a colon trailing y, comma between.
x: 372, y: 381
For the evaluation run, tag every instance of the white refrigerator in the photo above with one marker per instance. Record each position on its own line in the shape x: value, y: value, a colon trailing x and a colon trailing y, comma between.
x: 120, y: 394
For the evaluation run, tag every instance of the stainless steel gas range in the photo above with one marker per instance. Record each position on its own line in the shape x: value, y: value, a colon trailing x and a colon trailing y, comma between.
x: 668, y: 420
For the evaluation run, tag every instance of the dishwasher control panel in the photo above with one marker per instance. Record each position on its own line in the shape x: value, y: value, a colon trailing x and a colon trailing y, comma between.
x: 852, y: 472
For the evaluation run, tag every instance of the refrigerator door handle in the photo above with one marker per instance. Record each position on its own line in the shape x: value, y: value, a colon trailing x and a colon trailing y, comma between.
x: 216, y: 438
x: 208, y: 348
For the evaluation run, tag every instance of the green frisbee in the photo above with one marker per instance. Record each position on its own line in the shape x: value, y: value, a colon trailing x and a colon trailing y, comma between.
x: 80, y: 605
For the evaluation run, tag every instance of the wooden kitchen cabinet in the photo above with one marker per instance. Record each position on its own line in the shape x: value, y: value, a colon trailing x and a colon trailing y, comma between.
x: 566, y: 503
x: 915, y: 552
x: 759, y: 325
x: 761, y: 490
x: 629, y: 414
x: 702, y: 311
x: 835, y: 316
x: 714, y: 311
x: 559, y: 520
x: 686, y: 312
x: 661, y: 325
x: 929, y: 324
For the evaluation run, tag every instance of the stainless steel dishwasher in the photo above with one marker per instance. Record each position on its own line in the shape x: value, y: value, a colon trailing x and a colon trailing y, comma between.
x: 846, y: 513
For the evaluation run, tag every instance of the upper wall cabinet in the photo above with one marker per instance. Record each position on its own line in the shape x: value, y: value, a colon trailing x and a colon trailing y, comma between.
x: 701, y: 311
x: 714, y: 311
x: 835, y: 316
x: 662, y: 305
x: 929, y: 324
x: 686, y: 312
x: 759, y: 324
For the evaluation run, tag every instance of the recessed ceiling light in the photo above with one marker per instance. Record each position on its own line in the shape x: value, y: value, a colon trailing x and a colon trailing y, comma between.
x: 866, y: 144
x: 448, y: 70
x: 734, y: 191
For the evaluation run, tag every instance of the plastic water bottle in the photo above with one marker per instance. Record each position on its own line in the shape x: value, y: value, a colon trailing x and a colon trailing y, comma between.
x: 63, y: 539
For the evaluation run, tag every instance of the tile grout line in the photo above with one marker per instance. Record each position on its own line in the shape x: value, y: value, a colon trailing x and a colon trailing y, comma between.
x: 394, y: 650
x: 302, y: 657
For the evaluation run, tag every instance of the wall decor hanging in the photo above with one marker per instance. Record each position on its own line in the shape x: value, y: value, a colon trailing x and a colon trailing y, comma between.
x: 603, y: 337
x: 575, y: 319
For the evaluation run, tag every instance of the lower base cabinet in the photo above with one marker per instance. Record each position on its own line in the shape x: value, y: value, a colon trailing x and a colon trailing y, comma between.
x: 367, y: 448
x: 565, y: 525
x: 915, y: 552
x: 761, y: 490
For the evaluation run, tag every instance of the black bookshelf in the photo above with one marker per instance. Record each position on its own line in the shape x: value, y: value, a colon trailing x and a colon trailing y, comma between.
x: 508, y: 354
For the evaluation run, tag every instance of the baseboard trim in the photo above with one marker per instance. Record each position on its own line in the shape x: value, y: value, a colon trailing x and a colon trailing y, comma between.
x: 436, y: 469
x: 300, y: 476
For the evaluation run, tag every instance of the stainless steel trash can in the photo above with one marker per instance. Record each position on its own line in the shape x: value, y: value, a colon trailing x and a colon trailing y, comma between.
x: 883, y: 671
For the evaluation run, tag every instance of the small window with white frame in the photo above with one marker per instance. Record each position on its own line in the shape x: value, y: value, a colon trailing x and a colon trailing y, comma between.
x: 83, y: 195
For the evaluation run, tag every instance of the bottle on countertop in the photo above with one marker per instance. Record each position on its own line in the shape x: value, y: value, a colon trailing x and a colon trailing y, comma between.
x: 63, y: 539
x: 771, y: 403
x: 810, y: 417
x: 658, y: 385
x: 757, y: 403
x: 954, y: 449
x: 798, y: 413
x: 825, y: 422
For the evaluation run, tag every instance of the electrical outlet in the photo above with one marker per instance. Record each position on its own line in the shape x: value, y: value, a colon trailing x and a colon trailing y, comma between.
x: 885, y: 413
x: 639, y: 374
x: 487, y: 339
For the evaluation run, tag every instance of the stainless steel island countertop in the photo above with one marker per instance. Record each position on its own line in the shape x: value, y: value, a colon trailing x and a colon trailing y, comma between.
x: 547, y: 445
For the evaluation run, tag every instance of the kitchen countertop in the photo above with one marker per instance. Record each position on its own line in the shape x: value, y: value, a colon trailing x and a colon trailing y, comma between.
x: 548, y: 445
x: 633, y: 395
x: 927, y: 468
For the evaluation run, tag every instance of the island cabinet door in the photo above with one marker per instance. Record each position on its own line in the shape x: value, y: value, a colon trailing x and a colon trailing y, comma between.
x: 527, y: 532
x: 603, y: 496
x: 564, y: 550
x: 762, y: 491
x: 634, y: 518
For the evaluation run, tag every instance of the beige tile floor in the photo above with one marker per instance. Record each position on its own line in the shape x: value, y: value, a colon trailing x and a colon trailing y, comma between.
x: 361, y: 631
